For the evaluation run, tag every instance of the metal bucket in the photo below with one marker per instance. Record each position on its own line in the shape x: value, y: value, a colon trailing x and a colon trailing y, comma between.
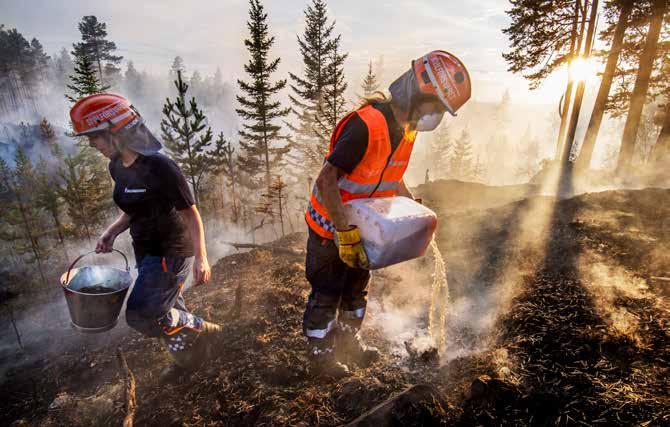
x: 95, y: 294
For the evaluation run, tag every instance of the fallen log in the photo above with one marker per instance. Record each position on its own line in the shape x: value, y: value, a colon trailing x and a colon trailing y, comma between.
x: 420, y: 404
x: 131, y: 402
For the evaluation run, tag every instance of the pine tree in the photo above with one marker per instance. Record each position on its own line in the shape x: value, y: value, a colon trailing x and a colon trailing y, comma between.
x: 332, y: 104
x: 47, y: 132
x: 26, y: 230
x: 47, y: 193
x: 628, y: 63
x: 539, y: 35
x: 370, y: 83
x: 95, y: 46
x: 22, y: 66
x: 315, y: 45
x: 40, y: 61
x: 84, y: 81
x: 133, y: 81
x: 639, y: 95
x: 86, y: 191
x: 618, y: 13
x: 188, y: 138
x: 260, y: 153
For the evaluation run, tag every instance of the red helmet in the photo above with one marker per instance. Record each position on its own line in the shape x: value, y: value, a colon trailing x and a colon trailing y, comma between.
x: 441, y: 74
x: 103, y: 111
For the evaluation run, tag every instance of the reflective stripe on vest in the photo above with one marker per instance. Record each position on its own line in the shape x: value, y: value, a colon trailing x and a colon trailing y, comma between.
x: 320, y: 220
x: 378, y: 173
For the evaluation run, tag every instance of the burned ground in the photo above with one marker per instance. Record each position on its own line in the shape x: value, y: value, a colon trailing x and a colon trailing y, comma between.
x: 559, y: 315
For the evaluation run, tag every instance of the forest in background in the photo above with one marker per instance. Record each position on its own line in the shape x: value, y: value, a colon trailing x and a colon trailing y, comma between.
x: 256, y: 155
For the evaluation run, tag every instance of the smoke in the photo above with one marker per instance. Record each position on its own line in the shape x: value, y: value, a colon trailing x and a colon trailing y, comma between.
x: 608, y: 285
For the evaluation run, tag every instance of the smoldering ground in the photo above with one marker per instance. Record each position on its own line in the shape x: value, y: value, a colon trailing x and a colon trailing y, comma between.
x: 42, y: 318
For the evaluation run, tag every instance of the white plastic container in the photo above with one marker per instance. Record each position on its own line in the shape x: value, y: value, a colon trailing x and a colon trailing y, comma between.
x: 393, y: 229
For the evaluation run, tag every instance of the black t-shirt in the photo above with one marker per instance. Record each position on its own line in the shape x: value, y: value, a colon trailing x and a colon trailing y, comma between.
x: 151, y: 191
x: 352, y: 143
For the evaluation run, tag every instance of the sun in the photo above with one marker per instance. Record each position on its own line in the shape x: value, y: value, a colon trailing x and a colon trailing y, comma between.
x: 582, y: 69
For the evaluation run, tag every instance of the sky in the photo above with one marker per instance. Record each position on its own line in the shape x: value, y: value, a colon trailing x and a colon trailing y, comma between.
x: 210, y: 33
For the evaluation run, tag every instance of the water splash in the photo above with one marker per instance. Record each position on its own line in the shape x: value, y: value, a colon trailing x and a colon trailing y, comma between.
x: 439, y: 301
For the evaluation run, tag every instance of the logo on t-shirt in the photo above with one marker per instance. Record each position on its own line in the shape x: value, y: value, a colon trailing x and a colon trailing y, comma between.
x: 135, y: 190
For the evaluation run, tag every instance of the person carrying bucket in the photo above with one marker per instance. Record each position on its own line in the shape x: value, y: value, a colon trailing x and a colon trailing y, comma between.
x: 165, y: 225
x: 369, y: 152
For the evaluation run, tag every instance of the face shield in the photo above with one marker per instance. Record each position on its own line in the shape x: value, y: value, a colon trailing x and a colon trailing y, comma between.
x: 138, y: 138
x: 407, y: 96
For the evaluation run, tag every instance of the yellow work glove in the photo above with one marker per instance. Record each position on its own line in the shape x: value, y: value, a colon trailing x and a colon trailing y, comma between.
x: 351, y: 248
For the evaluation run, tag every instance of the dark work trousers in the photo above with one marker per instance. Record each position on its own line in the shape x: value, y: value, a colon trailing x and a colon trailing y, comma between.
x: 156, y: 306
x: 338, y: 297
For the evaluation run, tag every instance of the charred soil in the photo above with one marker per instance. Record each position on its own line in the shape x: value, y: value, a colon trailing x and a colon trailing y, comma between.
x: 559, y: 315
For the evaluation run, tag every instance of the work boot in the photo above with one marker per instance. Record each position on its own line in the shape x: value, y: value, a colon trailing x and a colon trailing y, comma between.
x: 352, y: 350
x: 206, y: 345
x: 191, y: 352
x: 322, y: 363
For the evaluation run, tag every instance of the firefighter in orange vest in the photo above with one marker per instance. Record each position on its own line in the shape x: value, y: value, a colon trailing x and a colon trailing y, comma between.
x: 369, y: 152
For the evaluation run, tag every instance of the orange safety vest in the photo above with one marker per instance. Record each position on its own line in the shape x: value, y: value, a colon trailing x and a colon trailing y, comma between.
x: 378, y: 174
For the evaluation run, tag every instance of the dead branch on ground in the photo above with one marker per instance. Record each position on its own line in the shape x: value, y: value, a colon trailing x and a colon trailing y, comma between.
x: 131, y: 401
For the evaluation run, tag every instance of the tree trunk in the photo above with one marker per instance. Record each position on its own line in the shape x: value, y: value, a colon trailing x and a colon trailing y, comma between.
x: 661, y: 152
x: 584, y: 160
x: 567, y: 97
x: 10, y: 311
x: 579, y: 93
x: 639, y: 96
x: 281, y: 212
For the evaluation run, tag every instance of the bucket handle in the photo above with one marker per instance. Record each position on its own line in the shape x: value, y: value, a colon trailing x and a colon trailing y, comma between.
x: 67, y: 276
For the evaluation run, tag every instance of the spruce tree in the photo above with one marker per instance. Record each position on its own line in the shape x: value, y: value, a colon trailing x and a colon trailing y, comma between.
x: 440, y: 152
x: 460, y: 162
x: 84, y: 81
x: 315, y: 45
x: 63, y: 68
x: 177, y: 67
x: 260, y: 152
x: 370, y: 83
x: 274, y: 202
x: 529, y: 159
x: 96, y: 47
x: 332, y: 103
x: 187, y: 137
x: 229, y: 169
